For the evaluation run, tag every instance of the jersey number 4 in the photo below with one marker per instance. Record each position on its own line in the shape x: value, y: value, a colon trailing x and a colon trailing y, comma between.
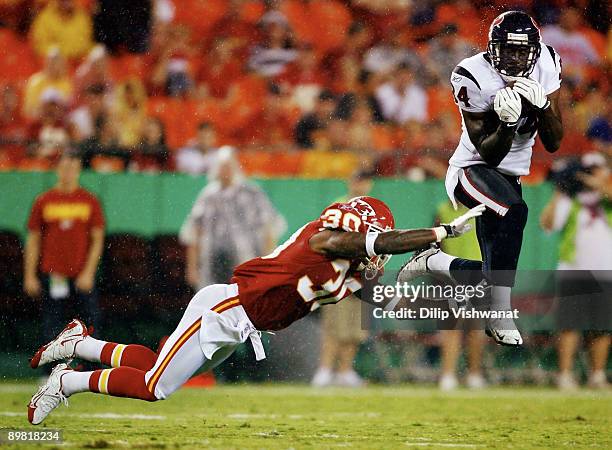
x: 461, y: 96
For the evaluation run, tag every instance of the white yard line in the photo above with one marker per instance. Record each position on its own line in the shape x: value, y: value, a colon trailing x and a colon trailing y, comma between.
x: 16, y: 388
x: 112, y: 416
x: 243, y: 416
x: 440, y: 444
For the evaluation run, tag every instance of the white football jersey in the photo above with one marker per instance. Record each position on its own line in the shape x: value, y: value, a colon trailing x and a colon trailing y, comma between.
x: 475, y: 83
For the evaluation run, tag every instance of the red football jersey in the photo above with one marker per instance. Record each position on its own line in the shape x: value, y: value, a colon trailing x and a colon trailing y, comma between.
x: 65, y: 221
x: 280, y: 288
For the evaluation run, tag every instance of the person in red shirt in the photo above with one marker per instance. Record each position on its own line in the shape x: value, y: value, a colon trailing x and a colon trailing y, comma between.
x: 323, y: 262
x: 63, y: 248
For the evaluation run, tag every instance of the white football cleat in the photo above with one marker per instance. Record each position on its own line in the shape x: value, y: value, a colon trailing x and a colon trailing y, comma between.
x: 323, y: 377
x: 48, y: 396
x: 566, y: 382
x: 597, y: 380
x: 416, y: 266
x: 448, y: 382
x: 475, y: 381
x: 62, y: 347
x: 349, y: 378
x: 504, y: 332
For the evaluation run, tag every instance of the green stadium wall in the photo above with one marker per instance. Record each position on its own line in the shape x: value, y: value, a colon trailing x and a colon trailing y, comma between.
x: 153, y: 204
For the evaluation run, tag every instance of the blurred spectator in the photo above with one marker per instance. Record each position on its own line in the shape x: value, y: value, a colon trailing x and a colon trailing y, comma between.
x: 222, y: 66
x: 174, y: 70
x: 152, y: 152
x: 318, y: 119
x: 93, y: 109
x: 386, y: 55
x: 303, y: 73
x: 365, y: 89
x: 574, y: 48
x: 63, y: 249
x: 359, y: 129
x: 129, y: 109
x: 198, y: 156
x: 13, y: 129
x: 274, y: 130
x: 101, y: 151
x: 94, y: 70
x: 65, y: 25
x: 341, y: 331
x: 445, y: 51
x: 584, y: 219
x: 600, y: 126
x: 346, y: 73
x: 54, y: 75
x: 402, y: 99
x: 242, y: 108
x: 467, y: 247
x: 231, y: 221
x: 123, y: 25
x: 50, y: 132
x: 270, y: 57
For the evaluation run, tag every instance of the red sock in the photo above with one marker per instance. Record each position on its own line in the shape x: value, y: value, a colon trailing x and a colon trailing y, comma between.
x: 121, y: 382
x: 133, y: 355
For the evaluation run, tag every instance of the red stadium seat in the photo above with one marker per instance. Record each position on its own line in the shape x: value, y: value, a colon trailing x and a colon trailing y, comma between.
x: 35, y: 165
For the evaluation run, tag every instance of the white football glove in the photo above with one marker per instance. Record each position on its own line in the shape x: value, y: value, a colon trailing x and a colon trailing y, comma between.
x: 532, y: 91
x: 460, y: 225
x: 507, y: 105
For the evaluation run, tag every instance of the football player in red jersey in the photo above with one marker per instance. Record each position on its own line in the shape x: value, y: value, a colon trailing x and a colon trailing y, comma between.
x: 322, y: 262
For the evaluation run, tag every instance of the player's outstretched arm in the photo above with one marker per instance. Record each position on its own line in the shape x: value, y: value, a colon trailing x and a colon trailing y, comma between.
x: 493, y: 146
x: 359, y: 245
x: 353, y: 245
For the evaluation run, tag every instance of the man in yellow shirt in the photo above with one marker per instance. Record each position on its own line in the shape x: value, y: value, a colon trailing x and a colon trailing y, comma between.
x: 65, y: 25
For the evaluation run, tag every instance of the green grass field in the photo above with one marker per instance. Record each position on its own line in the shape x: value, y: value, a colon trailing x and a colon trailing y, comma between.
x: 287, y: 416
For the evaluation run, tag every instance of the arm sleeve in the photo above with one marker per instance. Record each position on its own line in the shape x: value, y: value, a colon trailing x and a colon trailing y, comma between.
x: 551, y: 79
x: 97, y: 217
x: 35, y: 221
x: 187, y: 233
x: 467, y: 93
x: 562, y: 212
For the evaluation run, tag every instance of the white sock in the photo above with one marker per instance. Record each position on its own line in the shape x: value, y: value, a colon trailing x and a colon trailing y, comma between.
x: 73, y: 382
x: 440, y: 262
x: 90, y: 349
x: 501, y: 298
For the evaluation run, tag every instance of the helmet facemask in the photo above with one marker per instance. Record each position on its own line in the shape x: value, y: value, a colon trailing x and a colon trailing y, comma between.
x: 513, y: 59
x: 375, y: 264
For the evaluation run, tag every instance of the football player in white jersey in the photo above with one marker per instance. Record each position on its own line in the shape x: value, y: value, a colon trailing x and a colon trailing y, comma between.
x: 506, y: 96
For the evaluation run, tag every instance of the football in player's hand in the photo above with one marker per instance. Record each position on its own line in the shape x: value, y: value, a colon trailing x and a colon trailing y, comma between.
x: 526, y: 106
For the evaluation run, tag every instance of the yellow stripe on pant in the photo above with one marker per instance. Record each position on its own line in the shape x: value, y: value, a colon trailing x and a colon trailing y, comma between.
x: 103, y: 381
x: 116, y: 355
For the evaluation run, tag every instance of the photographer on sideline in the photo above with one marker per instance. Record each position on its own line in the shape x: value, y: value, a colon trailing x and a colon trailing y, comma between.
x: 581, y: 209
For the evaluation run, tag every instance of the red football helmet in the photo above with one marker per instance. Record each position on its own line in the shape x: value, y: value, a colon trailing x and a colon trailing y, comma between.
x: 376, y: 216
x: 374, y: 213
x: 362, y: 214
